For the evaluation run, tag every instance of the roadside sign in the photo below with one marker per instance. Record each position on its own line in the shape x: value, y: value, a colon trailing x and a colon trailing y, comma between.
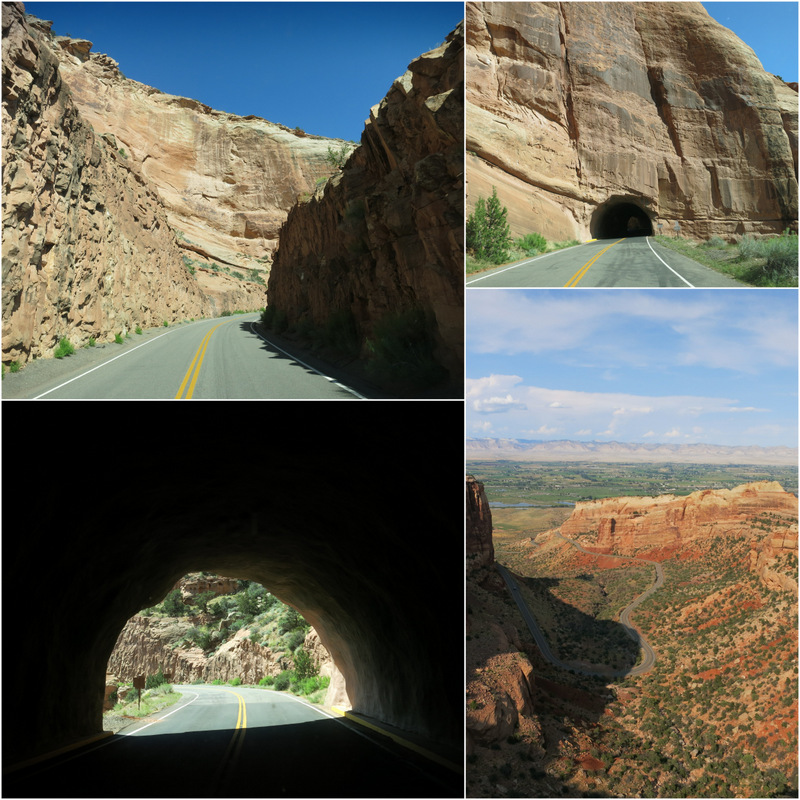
x: 138, y: 682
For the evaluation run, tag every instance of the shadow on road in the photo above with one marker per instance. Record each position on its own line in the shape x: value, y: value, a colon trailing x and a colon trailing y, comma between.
x: 312, y: 759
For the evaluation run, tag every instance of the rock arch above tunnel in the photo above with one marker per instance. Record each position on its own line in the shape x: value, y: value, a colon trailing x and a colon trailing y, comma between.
x: 617, y: 218
x: 337, y: 522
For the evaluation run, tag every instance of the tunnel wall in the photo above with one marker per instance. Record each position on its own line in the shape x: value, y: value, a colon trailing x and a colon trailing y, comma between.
x: 609, y: 218
x: 363, y: 536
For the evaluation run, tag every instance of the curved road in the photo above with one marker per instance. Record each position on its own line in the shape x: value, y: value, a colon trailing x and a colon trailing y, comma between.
x: 637, y: 262
x: 224, y: 358
x: 648, y: 654
x: 235, y: 742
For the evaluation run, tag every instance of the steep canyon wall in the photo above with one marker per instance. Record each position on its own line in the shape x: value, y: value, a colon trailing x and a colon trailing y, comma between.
x: 384, y: 238
x: 573, y: 108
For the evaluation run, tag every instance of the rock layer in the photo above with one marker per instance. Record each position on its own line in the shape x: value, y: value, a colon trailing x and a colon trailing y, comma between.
x: 384, y: 238
x: 87, y: 249
x: 660, y: 526
x: 576, y: 108
x: 226, y: 181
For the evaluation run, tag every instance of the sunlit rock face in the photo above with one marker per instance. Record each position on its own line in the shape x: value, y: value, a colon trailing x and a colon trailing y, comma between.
x: 366, y: 541
x: 574, y: 105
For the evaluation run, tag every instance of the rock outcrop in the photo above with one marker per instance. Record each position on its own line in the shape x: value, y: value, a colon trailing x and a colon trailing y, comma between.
x: 480, y: 547
x: 87, y: 248
x: 378, y: 252
x: 587, y: 115
x: 226, y: 181
x: 660, y: 526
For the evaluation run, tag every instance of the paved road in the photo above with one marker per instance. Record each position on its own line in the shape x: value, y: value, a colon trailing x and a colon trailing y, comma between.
x: 225, y: 742
x: 221, y: 358
x: 648, y: 654
x: 638, y: 262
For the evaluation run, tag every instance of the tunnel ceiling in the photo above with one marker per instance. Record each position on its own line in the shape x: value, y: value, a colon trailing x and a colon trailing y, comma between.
x: 616, y: 219
x: 364, y: 539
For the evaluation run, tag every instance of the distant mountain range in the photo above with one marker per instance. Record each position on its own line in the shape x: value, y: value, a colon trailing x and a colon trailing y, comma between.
x: 565, y: 450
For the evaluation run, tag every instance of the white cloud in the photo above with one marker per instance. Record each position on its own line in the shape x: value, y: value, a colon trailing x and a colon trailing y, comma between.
x: 497, y: 405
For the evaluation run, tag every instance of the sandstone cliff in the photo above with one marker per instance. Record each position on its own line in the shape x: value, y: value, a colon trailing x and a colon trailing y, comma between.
x: 226, y: 181
x: 574, y: 109
x: 87, y: 248
x: 480, y: 547
x: 378, y: 253
x: 660, y: 526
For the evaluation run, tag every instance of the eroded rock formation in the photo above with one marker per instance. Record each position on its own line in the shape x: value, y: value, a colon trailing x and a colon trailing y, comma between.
x: 660, y: 526
x: 576, y: 109
x: 480, y: 547
x: 383, y: 240
x: 87, y: 248
x: 226, y: 181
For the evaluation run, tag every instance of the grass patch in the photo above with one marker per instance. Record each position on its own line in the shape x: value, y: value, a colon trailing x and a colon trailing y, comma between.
x: 64, y: 348
x: 152, y: 700
x: 526, y: 247
x: 762, y: 261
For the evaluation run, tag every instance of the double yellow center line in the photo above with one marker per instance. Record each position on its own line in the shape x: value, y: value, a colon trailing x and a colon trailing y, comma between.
x: 575, y: 279
x: 235, y: 745
x: 194, y: 367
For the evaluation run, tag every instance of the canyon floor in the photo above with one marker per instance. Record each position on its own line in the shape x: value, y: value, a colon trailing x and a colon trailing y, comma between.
x: 715, y: 717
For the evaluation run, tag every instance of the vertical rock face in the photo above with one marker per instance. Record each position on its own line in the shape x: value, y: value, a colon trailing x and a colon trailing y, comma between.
x: 87, y: 251
x: 226, y: 181
x: 574, y: 109
x: 480, y: 548
x: 385, y: 236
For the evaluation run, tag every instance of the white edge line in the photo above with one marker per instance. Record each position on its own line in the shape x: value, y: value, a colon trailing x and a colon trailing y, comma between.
x: 174, y: 710
x: 647, y: 239
x: 514, y: 266
x: 307, y: 366
x: 105, y: 363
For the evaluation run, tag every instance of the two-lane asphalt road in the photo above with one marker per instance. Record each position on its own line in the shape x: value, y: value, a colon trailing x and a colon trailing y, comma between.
x: 636, y: 262
x: 224, y: 358
x: 647, y: 652
x: 235, y: 742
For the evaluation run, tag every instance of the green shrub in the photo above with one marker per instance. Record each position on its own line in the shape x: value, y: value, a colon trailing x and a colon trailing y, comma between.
x: 92, y: 342
x: 118, y: 338
x: 749, y: 247
x: 284, y: 680
x: 64, y: 348
x: 173, y: 604
x: 267, y: 680
x: 138, y: 330
x: 715, y: 241
x: 235, y: 682
x: 781, y: 255
x: 152, y: 681
x: 304, y: 665
x: 532, y: 243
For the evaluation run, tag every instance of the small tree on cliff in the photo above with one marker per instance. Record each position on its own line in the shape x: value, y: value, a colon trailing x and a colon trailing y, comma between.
x: 488, y: 233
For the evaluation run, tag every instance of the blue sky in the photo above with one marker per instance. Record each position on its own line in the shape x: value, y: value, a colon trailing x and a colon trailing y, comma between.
x: 319, y: 66
x: 769, y: 28
x: 686, y: 367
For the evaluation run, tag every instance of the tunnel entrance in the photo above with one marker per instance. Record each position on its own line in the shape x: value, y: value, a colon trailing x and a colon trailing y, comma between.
x: 210, y: 628
x: 618, y: 218
x: 335, y: 513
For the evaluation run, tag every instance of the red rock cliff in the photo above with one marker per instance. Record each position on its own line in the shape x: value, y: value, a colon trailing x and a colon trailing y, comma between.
x: 480, y: 548
x: 631, y: 525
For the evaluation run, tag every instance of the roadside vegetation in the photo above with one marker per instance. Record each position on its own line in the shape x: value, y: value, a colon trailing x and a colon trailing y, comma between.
x: 489, y: 241
x: 756, y: 261
x: 215, y: 619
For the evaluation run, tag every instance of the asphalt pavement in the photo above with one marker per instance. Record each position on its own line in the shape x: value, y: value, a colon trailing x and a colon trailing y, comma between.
x: 224, y: 358
x: 648, y: 654
x: 237, y: 742
x: 635, y: 262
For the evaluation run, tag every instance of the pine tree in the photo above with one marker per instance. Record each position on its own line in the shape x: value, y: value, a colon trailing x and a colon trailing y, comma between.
x: 488, y: 235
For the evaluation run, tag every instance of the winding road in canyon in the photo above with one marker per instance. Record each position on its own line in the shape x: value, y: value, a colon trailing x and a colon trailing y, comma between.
x: 237, y: 742
x: 223, y: 358
x: 636, y: 262
x: 648, y: 654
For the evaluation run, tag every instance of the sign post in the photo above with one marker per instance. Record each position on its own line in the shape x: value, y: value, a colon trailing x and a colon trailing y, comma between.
x: 138, y: 683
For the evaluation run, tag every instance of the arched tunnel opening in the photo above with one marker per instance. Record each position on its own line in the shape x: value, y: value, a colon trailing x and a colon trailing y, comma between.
x: 362, y: 533
x: 617, y: 218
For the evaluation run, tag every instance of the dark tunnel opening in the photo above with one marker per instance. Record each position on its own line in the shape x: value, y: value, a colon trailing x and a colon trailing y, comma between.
x: 618, y: 219
x: 335, y: 514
